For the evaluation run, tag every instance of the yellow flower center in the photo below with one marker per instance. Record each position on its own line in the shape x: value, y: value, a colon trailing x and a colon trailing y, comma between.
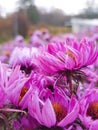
x: 60, y: 111
x: 23, y: 92
x: 93, y: 110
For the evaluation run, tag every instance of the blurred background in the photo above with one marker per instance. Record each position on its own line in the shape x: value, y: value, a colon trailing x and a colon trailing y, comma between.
x: 58, y: 16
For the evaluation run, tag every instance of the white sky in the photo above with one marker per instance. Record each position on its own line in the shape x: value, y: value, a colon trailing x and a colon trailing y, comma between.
x: 68, y: 6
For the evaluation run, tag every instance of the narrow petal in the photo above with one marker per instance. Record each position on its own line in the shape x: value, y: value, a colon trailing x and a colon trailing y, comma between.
x: 70, y: 116
x: 48, y: 114
x: 34, y: 108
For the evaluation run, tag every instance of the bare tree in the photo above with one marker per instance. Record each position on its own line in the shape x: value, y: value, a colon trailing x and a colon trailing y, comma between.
x: 90, y: 3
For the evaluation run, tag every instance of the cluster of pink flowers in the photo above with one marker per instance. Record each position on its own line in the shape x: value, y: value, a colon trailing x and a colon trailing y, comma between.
x: 50, y: 83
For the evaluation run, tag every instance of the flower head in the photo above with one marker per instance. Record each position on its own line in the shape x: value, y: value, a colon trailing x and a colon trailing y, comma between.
x: 89, y: 109
x: 23, y: 57
x: 68, y: 60
x: 53, y: 110
x: 61, y: 57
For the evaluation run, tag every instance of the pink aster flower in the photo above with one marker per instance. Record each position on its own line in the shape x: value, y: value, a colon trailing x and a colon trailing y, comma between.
x: 61, y: 57
x: 36, y: 39
x: 76, y: 55
x: 39, y: 38
x: 89, y: 109
x: 53, y: 112
x: 19, y: 92
x: 68, y: 60
x: 19, y: 39
x: 23, y: 57
x: 15, y: 86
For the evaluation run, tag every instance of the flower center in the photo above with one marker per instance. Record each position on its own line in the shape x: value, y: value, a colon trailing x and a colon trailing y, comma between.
x: 93, y: 110
x: 8, y: 53
x: 60, y: 111
x: 70, y: 54
x: 50, y: 87
x: 27, y: 69
x: 23, y: 92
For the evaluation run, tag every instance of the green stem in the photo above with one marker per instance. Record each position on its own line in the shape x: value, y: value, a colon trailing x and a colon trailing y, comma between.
x: 12, y: 110
x: 5, y: 121
x: 4, y: 127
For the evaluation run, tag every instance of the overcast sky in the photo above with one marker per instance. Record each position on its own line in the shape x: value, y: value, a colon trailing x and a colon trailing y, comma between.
x: 68, y: 6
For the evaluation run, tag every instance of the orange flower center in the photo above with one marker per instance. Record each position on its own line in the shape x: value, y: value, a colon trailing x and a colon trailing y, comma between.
x: 60, y: 111
x: 7, y: 53
x: 93, y: 110
x: 70, y: 54
x: 23, y: 92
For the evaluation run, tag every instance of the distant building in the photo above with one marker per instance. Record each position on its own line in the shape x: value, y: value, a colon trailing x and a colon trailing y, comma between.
x: 68, y: 23
x: 79, y: 24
